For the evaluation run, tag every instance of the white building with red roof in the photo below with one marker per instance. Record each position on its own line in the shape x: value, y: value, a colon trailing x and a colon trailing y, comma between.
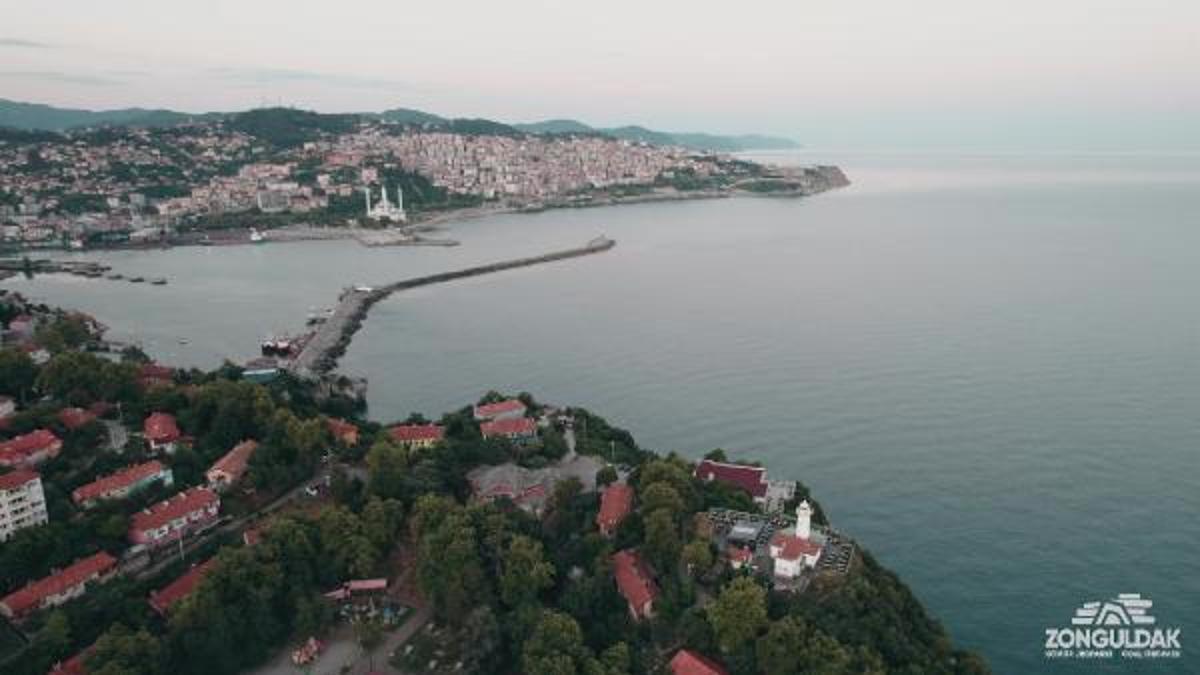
x: 415, y: 436
x: 122, y: 483
x: 22, y: 502
x: 616, y: 502
x: 502, y: 410
x: 795, y: 551
x: 30, y: 449
x: 772, y: 495
x: 515, y: 429
x: 687, y: 662
x: 161, y: 432
x: 170, y: 519
x: 230, y: 468
x: 58, y: 588
x: 635, y: 581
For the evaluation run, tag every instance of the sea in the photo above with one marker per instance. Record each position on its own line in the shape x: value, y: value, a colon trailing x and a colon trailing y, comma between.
x: 985, y: 366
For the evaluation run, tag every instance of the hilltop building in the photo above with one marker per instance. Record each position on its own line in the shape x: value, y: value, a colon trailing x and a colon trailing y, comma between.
x: 385, y: 210
x: 798, y: 550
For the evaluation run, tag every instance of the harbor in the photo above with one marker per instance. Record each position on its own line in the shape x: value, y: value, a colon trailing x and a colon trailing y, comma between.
x: 319, y: 351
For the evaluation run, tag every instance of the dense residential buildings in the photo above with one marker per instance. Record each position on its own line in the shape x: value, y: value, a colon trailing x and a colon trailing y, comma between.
x: 170, y: 519
x: 230, y: 468
x: 58, y: 588
x: 29, y: 450
x: 161, y: 432
x: 122, y: 483
x: 616, y: 502
x: 417, y: 436
x: 22, y: 502
x: 635, y: 581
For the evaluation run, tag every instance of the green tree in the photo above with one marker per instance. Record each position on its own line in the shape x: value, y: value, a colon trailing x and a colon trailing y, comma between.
x: 17, y: 373
x: 697, y: 555
x: 738, y: 614
x: 525, y: 571
x: 556, y: 647
x: 121, y: 651
x: 661, y: 495
x: 607, y: 475
x: 662, y: 540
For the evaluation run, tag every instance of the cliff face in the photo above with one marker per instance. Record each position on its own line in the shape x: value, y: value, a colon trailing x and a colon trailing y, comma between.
x: 793, y: 182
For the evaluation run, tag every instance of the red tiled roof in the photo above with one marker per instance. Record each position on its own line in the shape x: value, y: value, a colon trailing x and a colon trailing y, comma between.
x: 752, y: 479
x: 519, y: 426
x: 634, y: 580
x: 20, y: 448
x: 408, y: 433
x: 156, y: 371
x: 116, y: 481
x: 739, y: 554
x: 31, y: 596
x: 233, y: 463
x: 73, y: 418
x: 169, y: 509
x: 16, y: 479
x: 341, y: 428
x: 160, y: 427
x: 793, y: 546
x: 162, y: 600
x: 74, y: 665
x: 615, y: 503
x: 687, y: 662
x: 488, y: 410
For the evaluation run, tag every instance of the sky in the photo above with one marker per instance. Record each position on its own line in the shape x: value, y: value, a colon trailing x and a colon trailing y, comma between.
x: 1079, y: 75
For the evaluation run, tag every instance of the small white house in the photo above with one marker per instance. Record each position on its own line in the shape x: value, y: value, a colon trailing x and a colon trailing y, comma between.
x: 795, y: 551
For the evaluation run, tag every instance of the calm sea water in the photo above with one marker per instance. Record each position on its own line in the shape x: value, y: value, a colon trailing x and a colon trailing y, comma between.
x: 987, y: 368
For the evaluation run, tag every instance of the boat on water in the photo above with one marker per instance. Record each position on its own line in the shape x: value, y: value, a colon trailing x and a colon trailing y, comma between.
x: 116, y: 277
x: 256, y: 237
x: 159, y: 281
x: 318, y: 316
x: 137, y: 280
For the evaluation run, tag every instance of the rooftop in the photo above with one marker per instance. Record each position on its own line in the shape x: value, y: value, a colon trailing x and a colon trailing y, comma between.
x: 32, y: 594
x: 17, y: 479
x: 176, y: 507
x: 752, y: 479
x: 164, y: 599
x: 408, y: 433
x: 116, y: 481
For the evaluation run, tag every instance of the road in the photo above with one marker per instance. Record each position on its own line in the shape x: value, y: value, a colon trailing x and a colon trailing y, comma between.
x: 393, y: 642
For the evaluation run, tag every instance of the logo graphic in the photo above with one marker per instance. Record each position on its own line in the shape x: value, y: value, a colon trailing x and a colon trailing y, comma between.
x: 1118, y: 628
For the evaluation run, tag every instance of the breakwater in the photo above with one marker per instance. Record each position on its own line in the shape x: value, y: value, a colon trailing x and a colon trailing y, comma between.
x: 322, y: 350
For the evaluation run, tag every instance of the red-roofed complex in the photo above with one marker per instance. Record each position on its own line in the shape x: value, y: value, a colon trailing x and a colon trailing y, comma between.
x: 162, y: 433
x: 58, y: 588
x: 152, y: 375
x: 796, y: 550
x: 508, y: 409
x: 345, y: 432
x: 30, y: 449
x: 22, y: 503
x: 687, y: 662
x: 635, y: 582
x: 417, y: 435
x: 752, y: 479
x: 172, y: 518
x: 164, y: 599
x: 231, y: 467
x: 516, y: 429
x: 74, y: 418
x: 615, y: 504
x: 122, y: 483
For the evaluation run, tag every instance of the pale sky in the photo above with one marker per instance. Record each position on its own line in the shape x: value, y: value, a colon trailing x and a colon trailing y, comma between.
x: 974, y: 74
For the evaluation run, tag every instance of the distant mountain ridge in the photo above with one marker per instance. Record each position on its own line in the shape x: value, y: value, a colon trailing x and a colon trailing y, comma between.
x: 39, y: 117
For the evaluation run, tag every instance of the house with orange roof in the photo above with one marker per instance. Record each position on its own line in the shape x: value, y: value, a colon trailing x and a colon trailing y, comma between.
x: 688, y: 662
x: 416, y: 436
x: 31, y: 449
x: 122, y: 483
x: 161, y: 432
x: 635, y: 581
x: 170, y: 519
x: 230, y: 468
x: 615, y: 504
x: 168, y: 596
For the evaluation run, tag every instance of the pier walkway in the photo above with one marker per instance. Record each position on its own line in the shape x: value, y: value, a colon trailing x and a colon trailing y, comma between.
x: 330, y: 340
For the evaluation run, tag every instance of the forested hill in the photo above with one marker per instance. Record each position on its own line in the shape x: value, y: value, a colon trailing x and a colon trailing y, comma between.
x: 37, y: 117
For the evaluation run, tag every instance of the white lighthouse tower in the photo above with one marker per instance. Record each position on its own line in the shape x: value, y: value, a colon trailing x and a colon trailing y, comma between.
x: 804, y: 520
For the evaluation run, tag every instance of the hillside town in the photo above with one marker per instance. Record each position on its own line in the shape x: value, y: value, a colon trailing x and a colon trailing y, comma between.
x: 130, y: 186
x: 147, y: 512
